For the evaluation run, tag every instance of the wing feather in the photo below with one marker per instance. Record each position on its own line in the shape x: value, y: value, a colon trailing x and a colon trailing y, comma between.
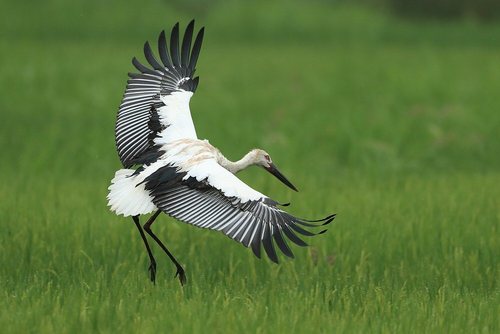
x: 147, y: 91
x: 143, y: 69
x: 186, y: 45
x: 174, y: 45
x: 218, y: 200
x: 162, y: 50
x: 196, y: 50
x: 148, y: 53
x: 268, y: 244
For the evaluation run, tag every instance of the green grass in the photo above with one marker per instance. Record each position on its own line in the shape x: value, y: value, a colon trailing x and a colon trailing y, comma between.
x: 391, y: 124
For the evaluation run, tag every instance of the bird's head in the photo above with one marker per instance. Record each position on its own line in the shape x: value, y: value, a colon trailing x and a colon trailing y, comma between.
x: 263, y: 159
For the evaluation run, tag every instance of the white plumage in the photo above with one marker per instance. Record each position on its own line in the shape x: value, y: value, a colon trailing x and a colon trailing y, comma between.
x: 126, y: 197
x: 221, y: 179
x: 177, y: 116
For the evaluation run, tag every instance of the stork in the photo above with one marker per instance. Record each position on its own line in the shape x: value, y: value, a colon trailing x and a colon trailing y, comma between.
x: 166, y: 168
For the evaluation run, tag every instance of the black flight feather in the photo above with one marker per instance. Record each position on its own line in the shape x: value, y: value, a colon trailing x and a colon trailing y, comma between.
x: 268, y: 244
x: 301, y: 230
x: 328, y: 218
x: 163, y: 51
x: 282, y: 243
x: 186, y: 44
x: 294, y: 238
x: 196, y: 50
x: 195, y: 82
x: 256, y: 248
x: 246, y: 240
x: 256, y: 240
x: 151, y: 58
x: 174, y: 45
x: 142, y: 68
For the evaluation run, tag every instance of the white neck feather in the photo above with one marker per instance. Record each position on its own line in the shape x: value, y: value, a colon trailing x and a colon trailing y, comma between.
x: 236, y: 166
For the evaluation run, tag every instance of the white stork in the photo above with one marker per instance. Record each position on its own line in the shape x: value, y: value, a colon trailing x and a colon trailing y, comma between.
x: 168, y: 169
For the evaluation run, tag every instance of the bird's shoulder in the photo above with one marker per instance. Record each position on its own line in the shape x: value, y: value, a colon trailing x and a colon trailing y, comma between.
x: 183, y: 155
x: 188, y: 151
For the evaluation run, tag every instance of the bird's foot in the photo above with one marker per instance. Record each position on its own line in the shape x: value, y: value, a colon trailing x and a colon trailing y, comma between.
x: 152, y: 271
x: 181, y: 274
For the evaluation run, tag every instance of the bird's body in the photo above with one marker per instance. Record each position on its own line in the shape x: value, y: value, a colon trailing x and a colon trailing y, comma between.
x: 168, y: 169
x: 191, y: 157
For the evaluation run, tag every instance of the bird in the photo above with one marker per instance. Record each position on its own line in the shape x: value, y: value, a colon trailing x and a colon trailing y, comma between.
x: 167, y: 169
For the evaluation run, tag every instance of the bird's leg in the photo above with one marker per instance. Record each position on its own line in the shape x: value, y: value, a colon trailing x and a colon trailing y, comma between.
x: 152, y: 261
x: 147, y: 228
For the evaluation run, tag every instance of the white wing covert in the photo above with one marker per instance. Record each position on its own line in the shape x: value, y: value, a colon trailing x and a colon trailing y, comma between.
x: 157, y: 98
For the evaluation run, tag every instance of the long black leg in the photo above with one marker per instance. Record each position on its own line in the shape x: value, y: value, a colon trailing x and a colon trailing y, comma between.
x: 152, y: 261
x: 147, y: 228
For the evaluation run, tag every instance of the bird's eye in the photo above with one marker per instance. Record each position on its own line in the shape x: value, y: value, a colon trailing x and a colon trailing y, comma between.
x: 268, y: 158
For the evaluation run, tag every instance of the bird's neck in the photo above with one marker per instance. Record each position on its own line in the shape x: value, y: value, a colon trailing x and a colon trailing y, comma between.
x: 236, y: 166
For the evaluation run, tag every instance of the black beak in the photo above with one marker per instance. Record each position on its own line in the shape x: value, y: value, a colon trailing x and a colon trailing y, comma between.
x: 273, y: 170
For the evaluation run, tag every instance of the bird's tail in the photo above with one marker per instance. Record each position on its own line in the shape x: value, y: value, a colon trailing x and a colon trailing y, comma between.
x: 128, y: 198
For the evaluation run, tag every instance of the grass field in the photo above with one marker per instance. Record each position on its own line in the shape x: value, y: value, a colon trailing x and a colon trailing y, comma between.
x: 393, y: 125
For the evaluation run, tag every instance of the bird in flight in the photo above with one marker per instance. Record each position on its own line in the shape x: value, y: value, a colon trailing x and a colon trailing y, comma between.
x: 166, y: 168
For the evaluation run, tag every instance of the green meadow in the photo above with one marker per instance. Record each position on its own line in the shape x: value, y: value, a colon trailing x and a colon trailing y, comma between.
x: 393, y: 124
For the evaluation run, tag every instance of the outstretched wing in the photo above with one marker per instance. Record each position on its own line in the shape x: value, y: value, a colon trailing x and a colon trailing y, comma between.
x: 212, y: 197
x: 157, y: 98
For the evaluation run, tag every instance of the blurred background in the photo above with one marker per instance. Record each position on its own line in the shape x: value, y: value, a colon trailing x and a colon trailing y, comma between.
x: 379, y: 86
x: 384, y: 111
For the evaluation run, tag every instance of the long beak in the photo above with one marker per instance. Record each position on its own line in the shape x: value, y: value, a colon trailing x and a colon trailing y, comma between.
x: 273, y: 170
